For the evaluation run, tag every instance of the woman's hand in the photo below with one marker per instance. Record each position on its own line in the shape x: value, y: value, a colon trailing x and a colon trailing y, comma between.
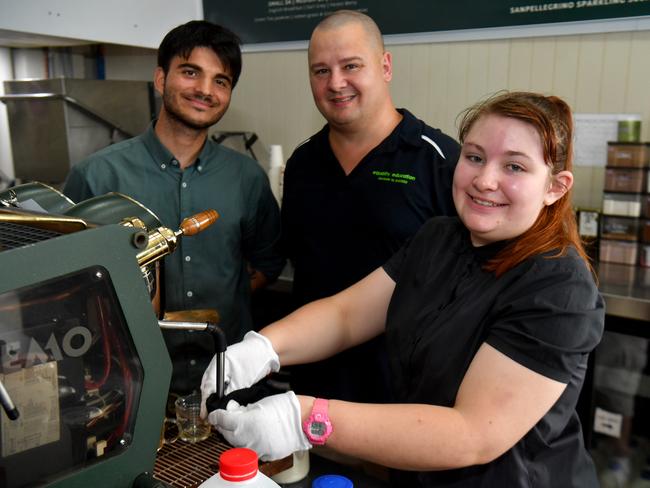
x: 246, y: 363
x: 270, y: 427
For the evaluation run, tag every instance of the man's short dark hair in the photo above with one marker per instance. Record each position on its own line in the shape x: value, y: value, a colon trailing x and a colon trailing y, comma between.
x: 181, y: 40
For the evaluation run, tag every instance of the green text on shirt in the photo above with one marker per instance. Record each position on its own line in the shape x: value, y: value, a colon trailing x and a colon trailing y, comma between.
x: 402, y: 178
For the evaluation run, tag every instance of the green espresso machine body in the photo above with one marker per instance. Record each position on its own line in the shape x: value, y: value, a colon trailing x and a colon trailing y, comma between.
x: 82, y: 359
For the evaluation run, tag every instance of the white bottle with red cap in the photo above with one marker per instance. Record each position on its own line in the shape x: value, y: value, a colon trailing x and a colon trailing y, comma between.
x: 238, y: 467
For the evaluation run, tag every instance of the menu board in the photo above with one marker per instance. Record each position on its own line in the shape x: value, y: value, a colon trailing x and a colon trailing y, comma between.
x: 263, y: 21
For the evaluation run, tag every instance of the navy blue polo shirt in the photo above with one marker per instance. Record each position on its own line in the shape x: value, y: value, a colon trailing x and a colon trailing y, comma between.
x: 338, y: 228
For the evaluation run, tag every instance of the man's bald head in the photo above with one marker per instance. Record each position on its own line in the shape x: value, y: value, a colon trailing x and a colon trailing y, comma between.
x: 343, y: 18
x: 349, y: 73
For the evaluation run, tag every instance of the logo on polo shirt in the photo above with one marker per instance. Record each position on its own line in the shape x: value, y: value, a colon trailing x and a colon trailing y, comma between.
x: 387, y: 176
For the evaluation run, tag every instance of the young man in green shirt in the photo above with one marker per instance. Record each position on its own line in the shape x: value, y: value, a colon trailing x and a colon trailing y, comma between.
x: 175, y: 170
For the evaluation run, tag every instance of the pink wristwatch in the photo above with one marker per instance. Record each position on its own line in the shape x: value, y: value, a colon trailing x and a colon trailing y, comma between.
x: 318, y: 427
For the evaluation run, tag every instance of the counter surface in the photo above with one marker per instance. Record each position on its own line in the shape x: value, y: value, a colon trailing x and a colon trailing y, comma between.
x: 626, y: 290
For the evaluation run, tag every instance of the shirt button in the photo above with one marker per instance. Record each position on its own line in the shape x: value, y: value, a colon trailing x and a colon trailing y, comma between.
x: 189, y: 294
x: 188, y: 258
x: 163, y: 166
x: 199, y: 167
x: 192, y: 362
x: 184, y: 185
x: 174, y: 162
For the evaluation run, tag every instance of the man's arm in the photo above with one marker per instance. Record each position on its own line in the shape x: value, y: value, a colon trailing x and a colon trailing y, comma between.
x: 261, y: 234
x: 498, y: 403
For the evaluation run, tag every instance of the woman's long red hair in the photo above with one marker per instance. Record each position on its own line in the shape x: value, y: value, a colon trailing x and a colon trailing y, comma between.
x: 555, y: 229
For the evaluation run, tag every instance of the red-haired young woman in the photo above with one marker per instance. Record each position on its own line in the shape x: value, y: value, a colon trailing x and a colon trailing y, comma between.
x: 489, y: 320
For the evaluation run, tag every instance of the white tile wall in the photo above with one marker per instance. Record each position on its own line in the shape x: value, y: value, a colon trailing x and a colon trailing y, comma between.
x: 593, y: 72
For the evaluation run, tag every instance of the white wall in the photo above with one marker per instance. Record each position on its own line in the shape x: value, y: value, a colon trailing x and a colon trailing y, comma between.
x: 594, y: 73
x: 134, y: 23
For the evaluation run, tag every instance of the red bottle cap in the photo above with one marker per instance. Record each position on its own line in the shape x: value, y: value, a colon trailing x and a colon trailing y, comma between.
x: 238, y: 464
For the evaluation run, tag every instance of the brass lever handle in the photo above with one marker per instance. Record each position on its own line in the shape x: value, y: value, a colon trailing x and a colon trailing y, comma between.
x: 199, y: 222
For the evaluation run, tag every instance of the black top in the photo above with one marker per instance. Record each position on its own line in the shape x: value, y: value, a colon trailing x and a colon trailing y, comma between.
x: 337, y: 229
x: 546, y: 314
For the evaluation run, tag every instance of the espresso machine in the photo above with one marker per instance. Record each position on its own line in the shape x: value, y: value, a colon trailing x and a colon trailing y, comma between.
x: 84, y: 370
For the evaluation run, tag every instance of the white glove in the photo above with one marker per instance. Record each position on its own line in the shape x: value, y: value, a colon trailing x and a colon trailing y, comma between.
x: 245, y: 363
x: 270, y: 427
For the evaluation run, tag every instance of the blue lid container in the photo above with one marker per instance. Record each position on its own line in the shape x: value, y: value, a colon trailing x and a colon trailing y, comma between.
x: 332, y: 481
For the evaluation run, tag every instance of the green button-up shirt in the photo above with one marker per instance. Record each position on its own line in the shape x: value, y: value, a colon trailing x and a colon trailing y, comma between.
x: 207, y: 270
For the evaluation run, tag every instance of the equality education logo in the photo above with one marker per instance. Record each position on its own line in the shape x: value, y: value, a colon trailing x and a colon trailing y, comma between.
x: 403, y: 178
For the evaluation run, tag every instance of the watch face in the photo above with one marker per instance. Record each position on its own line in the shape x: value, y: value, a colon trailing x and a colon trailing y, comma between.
x: 317, y: 429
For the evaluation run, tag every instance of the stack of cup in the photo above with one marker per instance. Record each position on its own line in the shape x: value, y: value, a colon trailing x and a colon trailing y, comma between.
x: 629, y: 130
x: 276, y: 171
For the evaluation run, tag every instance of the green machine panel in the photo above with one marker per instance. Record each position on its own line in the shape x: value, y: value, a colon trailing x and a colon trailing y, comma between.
x: 82, y: 359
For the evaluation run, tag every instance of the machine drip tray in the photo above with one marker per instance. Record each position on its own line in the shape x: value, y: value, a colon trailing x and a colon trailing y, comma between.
x: 186, y: 465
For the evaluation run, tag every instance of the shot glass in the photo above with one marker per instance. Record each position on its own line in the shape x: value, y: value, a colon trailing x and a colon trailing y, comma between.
x: 191, y: 427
